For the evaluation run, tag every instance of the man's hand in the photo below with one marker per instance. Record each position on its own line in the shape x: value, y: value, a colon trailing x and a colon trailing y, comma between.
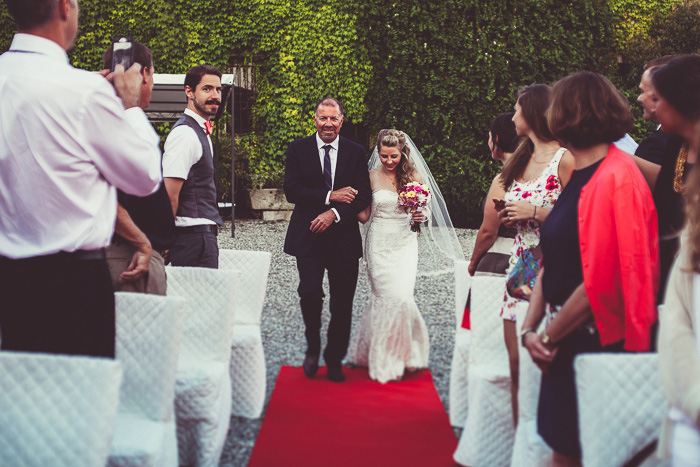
x: 138, y: 266
x: 127, y: 83
x: 344, y: 195
x: 322, y: 222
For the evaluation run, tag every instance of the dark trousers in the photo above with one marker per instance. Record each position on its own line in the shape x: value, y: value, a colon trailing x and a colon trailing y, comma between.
x: 342, y: 280
x: 58, y: 304
x: 198, y: 249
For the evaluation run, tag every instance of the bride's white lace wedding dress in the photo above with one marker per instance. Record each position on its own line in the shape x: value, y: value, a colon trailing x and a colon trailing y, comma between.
x: 391, y: 336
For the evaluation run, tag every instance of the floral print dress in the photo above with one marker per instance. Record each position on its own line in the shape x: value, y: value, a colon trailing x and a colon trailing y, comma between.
x: 542, y: 191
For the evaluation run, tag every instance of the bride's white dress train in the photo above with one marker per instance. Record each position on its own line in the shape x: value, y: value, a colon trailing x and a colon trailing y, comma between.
x: 391, y: 336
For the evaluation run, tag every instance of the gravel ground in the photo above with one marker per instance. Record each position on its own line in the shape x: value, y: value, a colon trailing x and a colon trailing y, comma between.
x: 283, y: 329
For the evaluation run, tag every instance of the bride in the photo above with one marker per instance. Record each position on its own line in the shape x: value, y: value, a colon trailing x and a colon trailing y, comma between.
x: 392, y: 336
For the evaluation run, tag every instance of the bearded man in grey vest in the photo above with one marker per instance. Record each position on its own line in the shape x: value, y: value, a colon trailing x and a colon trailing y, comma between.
x: 188, y: 172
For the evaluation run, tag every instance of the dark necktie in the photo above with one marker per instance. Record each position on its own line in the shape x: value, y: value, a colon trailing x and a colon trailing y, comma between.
x: 327, y: 167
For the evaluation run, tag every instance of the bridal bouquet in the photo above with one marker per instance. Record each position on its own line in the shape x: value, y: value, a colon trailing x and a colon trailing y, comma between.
x: 414, y: 197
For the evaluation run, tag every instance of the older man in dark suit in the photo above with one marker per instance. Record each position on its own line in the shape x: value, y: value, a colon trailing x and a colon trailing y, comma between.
x: 326, y: 178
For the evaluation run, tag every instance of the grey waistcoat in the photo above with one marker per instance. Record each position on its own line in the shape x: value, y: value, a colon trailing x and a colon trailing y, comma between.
x: 198, y: 193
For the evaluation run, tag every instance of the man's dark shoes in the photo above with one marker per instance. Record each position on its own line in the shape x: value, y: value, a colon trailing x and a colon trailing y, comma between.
x: 335, y: 372
x: 310, y: 366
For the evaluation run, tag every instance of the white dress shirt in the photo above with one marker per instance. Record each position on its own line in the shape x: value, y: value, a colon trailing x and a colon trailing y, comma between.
x: 183, y: 150
x: 333, y: 154
x: 67, y: 143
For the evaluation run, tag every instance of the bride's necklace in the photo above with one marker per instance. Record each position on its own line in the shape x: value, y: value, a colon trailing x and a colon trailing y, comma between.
x: 680, y: 168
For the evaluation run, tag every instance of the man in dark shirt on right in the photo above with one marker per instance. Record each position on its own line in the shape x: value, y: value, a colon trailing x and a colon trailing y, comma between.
x: 145, y: 227
x: 659, y: 144
x: 663, y: 150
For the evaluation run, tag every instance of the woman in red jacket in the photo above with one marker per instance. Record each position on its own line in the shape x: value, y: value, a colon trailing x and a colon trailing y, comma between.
x: 597, y: 286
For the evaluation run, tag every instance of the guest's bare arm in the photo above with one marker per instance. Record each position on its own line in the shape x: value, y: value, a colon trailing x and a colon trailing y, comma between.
x: 649, y: 170
x: 173, y: 187
x: 489, y: 226
x: 126, y: 229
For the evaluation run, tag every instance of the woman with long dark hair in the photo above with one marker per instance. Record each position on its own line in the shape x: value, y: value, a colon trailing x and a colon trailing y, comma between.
x: 533, y: 178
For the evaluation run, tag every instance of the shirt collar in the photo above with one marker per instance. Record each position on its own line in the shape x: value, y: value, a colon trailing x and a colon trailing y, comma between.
x: 198, y: 118
x: 30, y: 43
x: 320, y: 143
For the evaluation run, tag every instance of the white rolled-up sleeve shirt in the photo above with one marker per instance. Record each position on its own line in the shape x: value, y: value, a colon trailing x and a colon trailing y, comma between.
x: 183, y: 150
x: 66, y: 145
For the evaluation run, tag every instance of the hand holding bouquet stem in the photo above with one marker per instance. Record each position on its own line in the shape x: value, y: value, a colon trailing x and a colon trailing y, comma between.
x: 413, y: 197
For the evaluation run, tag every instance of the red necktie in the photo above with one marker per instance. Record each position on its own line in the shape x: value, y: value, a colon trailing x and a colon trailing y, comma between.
x: 208, y: 127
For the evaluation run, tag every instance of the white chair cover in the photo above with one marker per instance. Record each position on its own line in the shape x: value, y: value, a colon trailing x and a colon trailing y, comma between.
x: 248, y: 372
x: 529, y: 448
x: 57, y: 410
x: 149, y: 331
x: 487, y: 438
x: 203, y: 385
x: 621, y: 405
x: 459, y: 394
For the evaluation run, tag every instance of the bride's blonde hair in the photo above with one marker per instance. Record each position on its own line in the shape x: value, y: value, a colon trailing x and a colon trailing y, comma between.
x: 405, y: 171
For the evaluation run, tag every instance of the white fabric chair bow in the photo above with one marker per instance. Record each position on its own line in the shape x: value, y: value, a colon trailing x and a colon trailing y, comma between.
x: 529, y: 448
x: 203, y: 384
x: 487, y: 438
x: 248, y: 373
x: 621, y: 405
x: 459, y: 394
x: 149, y: 330
x: 57, y: 410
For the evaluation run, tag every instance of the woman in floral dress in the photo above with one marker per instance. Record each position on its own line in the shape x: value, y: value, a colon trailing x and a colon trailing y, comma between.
x: 533, y: 178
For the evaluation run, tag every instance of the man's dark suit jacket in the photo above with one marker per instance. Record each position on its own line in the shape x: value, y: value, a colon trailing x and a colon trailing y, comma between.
x: 305, y: 187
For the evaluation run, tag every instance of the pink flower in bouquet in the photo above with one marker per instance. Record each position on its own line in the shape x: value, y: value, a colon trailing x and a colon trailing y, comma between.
x: 413, y: 197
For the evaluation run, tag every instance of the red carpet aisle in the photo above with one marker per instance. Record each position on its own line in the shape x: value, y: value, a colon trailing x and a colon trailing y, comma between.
x: 314, y: 422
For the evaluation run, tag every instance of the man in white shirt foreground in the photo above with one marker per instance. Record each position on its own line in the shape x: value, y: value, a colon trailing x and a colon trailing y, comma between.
x: 67, y: 143
x: 188, y: 172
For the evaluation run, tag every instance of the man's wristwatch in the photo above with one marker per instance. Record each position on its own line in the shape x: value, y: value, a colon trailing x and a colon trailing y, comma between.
x: 523, y: 333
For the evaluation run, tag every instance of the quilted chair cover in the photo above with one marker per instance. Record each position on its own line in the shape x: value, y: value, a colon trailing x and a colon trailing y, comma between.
x: 529, y: 448
x: 149, y: 330
x: 460, y: 355
x: 57, y: 410
x: 487, y: 438
x: 248, y: 374
x: 621, y: 405
x: 203, y: 385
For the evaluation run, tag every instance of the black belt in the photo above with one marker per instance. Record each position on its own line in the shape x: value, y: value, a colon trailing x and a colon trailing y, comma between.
x: 79, y: 255
x: 198, y: 229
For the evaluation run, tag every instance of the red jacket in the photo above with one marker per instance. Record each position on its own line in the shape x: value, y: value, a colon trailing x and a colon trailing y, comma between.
x: 619, y: 243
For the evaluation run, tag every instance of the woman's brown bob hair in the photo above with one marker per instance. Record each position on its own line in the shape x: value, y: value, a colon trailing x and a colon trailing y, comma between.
x: 587, y: 109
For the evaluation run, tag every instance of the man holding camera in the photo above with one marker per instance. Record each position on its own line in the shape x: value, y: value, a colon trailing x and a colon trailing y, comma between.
x: 68, y: 142
x: 188, y: 171
x: 145, y: 226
